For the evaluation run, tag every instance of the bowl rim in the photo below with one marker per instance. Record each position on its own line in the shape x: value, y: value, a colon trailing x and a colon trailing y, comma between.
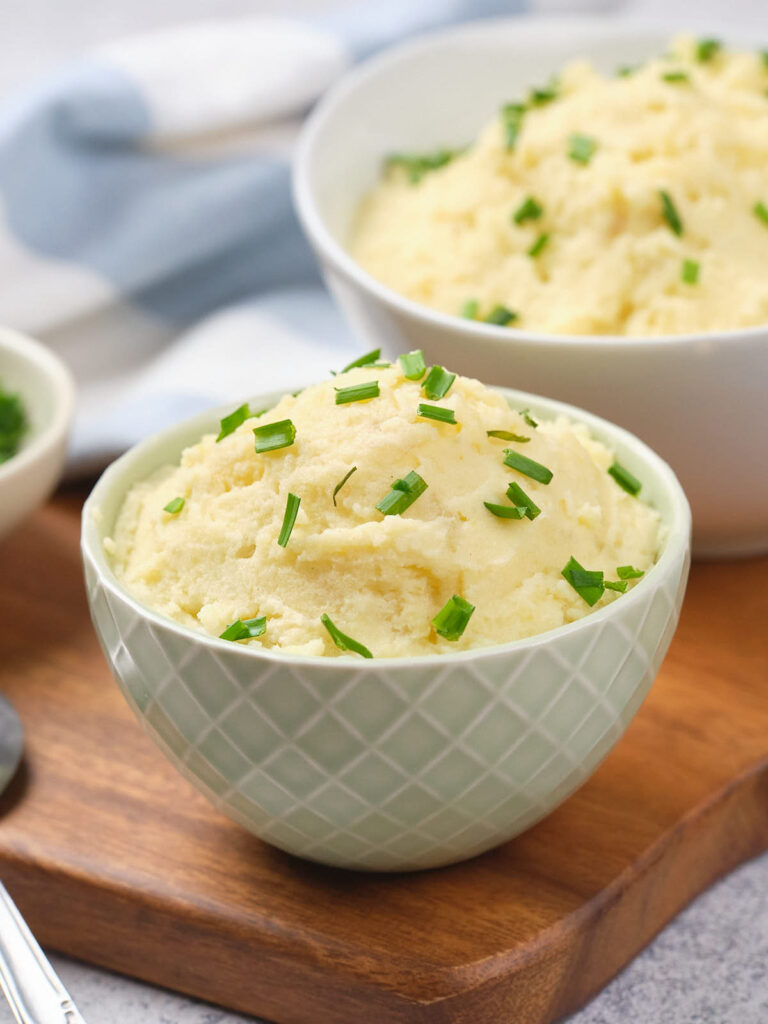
x: 48, y: 365
x: 675, y: 548
x: 382, y: 63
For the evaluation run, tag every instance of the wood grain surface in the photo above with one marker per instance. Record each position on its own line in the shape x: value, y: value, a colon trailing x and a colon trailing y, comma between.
x: 116, y: 859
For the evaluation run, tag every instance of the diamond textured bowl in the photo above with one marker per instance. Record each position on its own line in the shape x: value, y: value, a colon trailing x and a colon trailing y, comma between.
x: 391, y: 763
x: 438, y: 91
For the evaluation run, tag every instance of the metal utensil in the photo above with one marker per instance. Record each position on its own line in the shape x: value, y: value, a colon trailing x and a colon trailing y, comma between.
x: 29, y: 983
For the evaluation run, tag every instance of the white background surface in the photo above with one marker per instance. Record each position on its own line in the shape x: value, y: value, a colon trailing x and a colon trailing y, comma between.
x: 711, y: 965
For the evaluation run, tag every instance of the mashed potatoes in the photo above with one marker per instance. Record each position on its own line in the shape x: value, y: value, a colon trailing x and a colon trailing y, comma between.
x: 634, y: 205
x: 215, y: 558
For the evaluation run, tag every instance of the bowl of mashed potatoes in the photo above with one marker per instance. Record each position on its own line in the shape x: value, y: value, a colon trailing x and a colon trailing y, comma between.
x: 394, y: 619
x: 579, y: 209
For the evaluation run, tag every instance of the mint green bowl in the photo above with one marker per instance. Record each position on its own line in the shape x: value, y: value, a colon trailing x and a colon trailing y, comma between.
x: 393, y: 763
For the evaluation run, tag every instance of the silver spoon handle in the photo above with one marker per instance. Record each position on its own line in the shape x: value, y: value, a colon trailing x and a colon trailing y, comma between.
x: 29, y: 983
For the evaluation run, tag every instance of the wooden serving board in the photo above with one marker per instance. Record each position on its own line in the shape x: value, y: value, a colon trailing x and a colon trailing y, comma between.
x: 114, y: 858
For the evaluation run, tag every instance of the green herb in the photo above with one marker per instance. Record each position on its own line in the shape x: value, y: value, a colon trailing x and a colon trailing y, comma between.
x: 764, y: 58
x: 527, y: 466
x: 512, y: 120
x: 518, y: 497
x: 501, y: 316
x: 436, y: 412
x: 174, y: 506
x: 588, y: 584
x: 364, y: 360
x: 628, y: 572
x: 342, y: 641
x: 470, y: 309
x: 341, y: 483
x: 544, y: 94
x: 620, y: 585
x: 272, y: 436
x: 413, y: 364
x: 581, y: 148
x: 669, y: 212
x: 507, y: 435
x: 453, y: 618
x: 538, y: 245
x: 438, y: 383
x: 230, y: 423
x: 403, y: 494
x: 291, y: 511
x: 626, y: 70
x: 525, y: 413
x: 416, y: 165
x: 529, y: 209
x: 690, y: 272
x: 245, y: 629
x: 625, y: 479
x: 675, y: 76
x: 357, y: 392
x: 13, y: 424
x: 707, y: 49
x: 760, y: 210
x: 506, y: 511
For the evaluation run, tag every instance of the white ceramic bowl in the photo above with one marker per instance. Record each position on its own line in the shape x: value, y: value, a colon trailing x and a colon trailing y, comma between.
x: 46, y: 389
x: 391, y: 763
x: 700, y: 400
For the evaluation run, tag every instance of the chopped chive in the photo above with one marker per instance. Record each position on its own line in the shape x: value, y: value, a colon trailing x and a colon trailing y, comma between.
x: 764, y: 58
x: 413, y: 364
x: 527, y: 466
x: 529, y: 209
x: 364, y: 360
x: 403, y: 494
x: 416, y: 165
x: 760, y: 210
x: 438, y: 383
x: 669, y: 212
x: 544, y: 94
x: 625, y: 479
x: 357, y: 392
x: 690, y: 272
x: 272, y: 436
x: 453, y: 618
x: 436, y: 412
x: 342, y: 641
x: 245, y: 629
x: 538, y: 245
x: 501, y: 316
x: 341, y: 483
x: 626, y: 70
x: 620, y: 585
x: 470, y: 309
x: 230, y: 423
x: 291, y: 511
x: 512, y: 121
x: 581, y: 148
x: 174, y: 506
x: 518, y: 497
x: 507, y: 435
x: 675, y: 76
x: 506, y: 511
x: 14, y: 424
x: 587, y: 584
x: 526, y: 414
x: 628, y: 572
x: 707, y: 49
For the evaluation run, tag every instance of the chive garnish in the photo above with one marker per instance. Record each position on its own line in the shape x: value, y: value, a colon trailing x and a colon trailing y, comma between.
x: 506, y: 511
x: 230, y: 423
x: 626, y: 70
x: 501, y: 316
x: 587, y: 583
x: 272, y: 436
x: 438, y: 383
x: 174, y: 506
x: 342, y: 641
x: 690, y: 272
x: 413, y: 364
x: 707, y: 49
x: 364, y: 360
x: 245, y: 629
x: 526, y: 414
x: 357, y: 392
x: 453, y: 618
x: 675, y: 76
x: 291, y: 511
x: 341, y: 483
x: 760, y: 210
x: 507, y: 435
x: 403, y: 494
x: 620, y: 585
x: 436, y: 412
x: 14, y: 424
x: 669, y: 212
x: 527, y: 466
x: 581, y: 148
x: 625, y: 479
x: 544, y: 94
x: 416, y: 165
x: 538, y: 245
x: 764, y: 58
x: 529, y: 209
x: 470, y: 309
x: 518, y: 497
x: 512, y: 119
x: 628, y: 572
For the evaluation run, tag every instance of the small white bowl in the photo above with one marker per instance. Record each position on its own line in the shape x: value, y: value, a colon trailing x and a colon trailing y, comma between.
x: 45, y: 385
x: 390, y: 763
x: 700, y: 400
